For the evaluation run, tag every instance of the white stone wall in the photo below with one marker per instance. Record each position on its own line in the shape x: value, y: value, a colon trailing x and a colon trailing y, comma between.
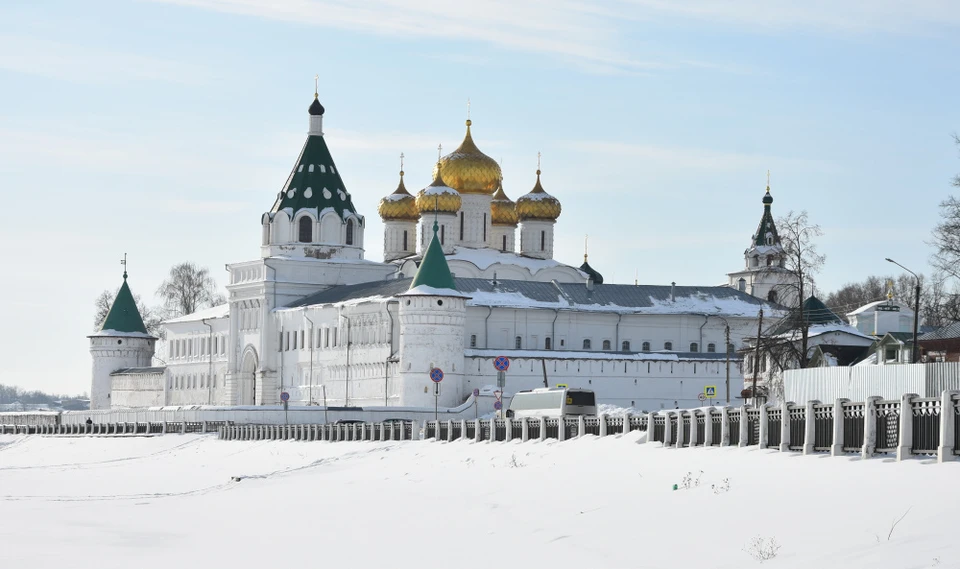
x: 646, y: 385
x: 109, y: 354
x: 138, y: 390
x: 476, y: 221
x: 504, y: 238
x: 393, y: 239
x: 536, y: 238
x: 448, y: 231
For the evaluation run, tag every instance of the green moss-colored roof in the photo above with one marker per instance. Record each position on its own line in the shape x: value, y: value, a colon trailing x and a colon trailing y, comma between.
x: 767, y: 226
x: 314, y: 182
x: 434, y: 271
x: 124, y: 315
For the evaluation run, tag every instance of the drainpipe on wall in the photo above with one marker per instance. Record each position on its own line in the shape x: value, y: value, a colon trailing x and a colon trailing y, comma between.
x: 486, y: 328
x: 346, y: 377
x: 618, y: 346
x: 313, y: 329
x: 553, y: 328
x: 386, y: 364
x: 209, y: 357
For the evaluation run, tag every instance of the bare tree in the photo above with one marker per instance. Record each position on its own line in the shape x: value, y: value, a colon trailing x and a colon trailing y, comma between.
x: 151, y: 316
x: 940, y: 303
x: 856, y: 294
x: 946, y: 234
x: 802, y: 262
x: 188, y: 289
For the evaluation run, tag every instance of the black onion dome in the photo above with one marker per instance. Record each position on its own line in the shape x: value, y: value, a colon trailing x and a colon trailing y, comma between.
x: 594, y: 275
x: 316, y: 108
x: 767, y: 198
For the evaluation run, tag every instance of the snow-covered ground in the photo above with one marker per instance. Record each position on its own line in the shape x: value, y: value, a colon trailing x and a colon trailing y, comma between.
x: 172, y: 501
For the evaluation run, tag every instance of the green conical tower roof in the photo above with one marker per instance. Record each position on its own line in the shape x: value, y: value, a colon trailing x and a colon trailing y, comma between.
x: 314, y: 181
x: 767, y: 226
x: 124, y: 315
x: 434, y: 271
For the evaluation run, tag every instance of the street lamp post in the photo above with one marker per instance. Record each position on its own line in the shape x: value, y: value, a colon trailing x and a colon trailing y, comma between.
x: 916, y: 312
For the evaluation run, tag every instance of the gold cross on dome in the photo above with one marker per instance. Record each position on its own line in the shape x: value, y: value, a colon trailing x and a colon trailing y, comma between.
x: 401, y: 161
x: 768, y: 178
x: 538, y: 160
x: 316, y: 85
x: 468, y: 108
x: 439, y: 151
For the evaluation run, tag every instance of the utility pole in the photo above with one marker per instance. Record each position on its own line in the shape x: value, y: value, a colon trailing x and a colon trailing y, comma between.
x: 726, y: 347
x: 313, y: 329
x: 756, y: 359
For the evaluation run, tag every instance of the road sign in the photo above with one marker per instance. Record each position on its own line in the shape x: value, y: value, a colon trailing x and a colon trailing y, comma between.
x: 501, y: 379
x: 498, y: 394
x: 561, y: 386
x: 476, y: 392
x: 497, y: 405
x: 502, y: 363
x: 710, y: 391
x: 436, y: 375
x: 284, y: 396
x: 701, y: 397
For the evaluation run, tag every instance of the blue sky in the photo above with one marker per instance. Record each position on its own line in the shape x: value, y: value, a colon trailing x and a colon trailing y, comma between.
x: 163, y: 129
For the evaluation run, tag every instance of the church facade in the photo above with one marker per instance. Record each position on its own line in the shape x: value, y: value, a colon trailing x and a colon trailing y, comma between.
x: 468, y: 274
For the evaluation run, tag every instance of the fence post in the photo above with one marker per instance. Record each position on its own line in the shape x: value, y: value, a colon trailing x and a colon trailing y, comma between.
x: 493, y: 430
x: 508, y: 427
x: 947, y: 431
x: 561, y: 429
x: 581, y: 426
x: 543, y: 428
x: 725, y: 426
x: 905, y: 445
x: 463, y: 429
x: 626, y: 425
x: 764, y: 427
x: 650, y: 421
x: 869, y: 426
x: 524, y: 430
x: 744, y: 427
x: 603, y: 424
x: 666, y: 429
x: 836, y: 449
x: 809, y: 428
x: 477, y: 431
x: 708, y: 426
x: 693, y: 428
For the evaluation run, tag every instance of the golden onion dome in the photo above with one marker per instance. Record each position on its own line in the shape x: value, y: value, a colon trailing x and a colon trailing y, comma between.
x: 400, y: 205
x: 468, y: 170
x: 538, y: 204
x: 503, y: 211
x: 438, y: 196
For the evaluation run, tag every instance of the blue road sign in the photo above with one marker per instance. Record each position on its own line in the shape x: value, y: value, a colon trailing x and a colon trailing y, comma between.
x: 710, y: 391
x: 284, y: 396
x: 502, y: 363
x: 476, y: 392
x: 436, y: 375
x: 497, y: 405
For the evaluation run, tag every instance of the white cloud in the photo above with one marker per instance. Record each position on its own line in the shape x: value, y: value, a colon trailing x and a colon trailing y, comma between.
x: 84, y: 64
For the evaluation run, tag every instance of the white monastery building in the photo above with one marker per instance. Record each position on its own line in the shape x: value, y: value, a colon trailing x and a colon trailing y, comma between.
x: 468, y: 274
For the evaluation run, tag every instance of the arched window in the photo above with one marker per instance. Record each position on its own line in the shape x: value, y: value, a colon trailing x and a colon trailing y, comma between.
x: 586, y: 344
x: 772, y: 296
x: 742, y: 285
x: 266, y: 234
x: 405, y: 240
x: 694, y: 347
x: 484, y: 228
x: 543, y: 240
x: 504, y: 248
x: 547, y: 343
x: 730, y: 348
x: 645, y: 346
x: 306, y: 229
x: 711, y: 348
x: 668, y: 346
x: 518, y: 342
x: 461, y: 226
x: 349, y: 232
x: 606, y: 344
x: 443, y: 234
x: 625, y: 346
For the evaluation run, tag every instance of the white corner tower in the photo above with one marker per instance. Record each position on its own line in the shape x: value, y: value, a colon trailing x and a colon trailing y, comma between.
x: 121, y: 342
x: 432, y: 318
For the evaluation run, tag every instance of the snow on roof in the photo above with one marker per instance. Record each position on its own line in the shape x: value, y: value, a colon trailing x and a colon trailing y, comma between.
x: 219, y: 311
x: 591, y: 355
x: 484, y: 258
x: 118, y: 334
x: 868, y: 307
x: 427, y: 290
x: 439, y: 190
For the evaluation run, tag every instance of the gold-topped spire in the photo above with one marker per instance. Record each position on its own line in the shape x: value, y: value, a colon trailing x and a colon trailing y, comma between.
x: 538, y: 204
x: 468, y: 111
x: 316, y: 86
x: 400, y: 205
x: 401, y: 164
x: 503, y: 211
x: 768, y: 181
x: 468, y: 170
x: 585, y: 238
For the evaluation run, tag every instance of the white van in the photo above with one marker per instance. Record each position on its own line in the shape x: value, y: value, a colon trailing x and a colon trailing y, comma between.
x: 552, y: 402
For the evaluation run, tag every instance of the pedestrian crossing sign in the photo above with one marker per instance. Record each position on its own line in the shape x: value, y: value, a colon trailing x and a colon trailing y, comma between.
x: 710, y: 391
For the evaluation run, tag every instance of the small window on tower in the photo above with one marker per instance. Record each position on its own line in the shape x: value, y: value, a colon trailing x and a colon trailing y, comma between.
x: 473, y: 340
x: 504, y: 247
x: 543, y: 240
x: 742, y: 285
x: 461, y: 226
x: 518, y: 342
x: 306, y: 229
x: 349, y: 232
x: 405, y: 241
x: 484, y: 228
x: 772, y: 296
x: 443, y: 233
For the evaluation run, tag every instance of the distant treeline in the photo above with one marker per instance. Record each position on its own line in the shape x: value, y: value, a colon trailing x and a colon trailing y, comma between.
x: 13, y: 394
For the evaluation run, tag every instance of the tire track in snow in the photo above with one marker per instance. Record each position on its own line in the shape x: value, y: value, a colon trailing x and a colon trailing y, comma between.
x: 102, y: 462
